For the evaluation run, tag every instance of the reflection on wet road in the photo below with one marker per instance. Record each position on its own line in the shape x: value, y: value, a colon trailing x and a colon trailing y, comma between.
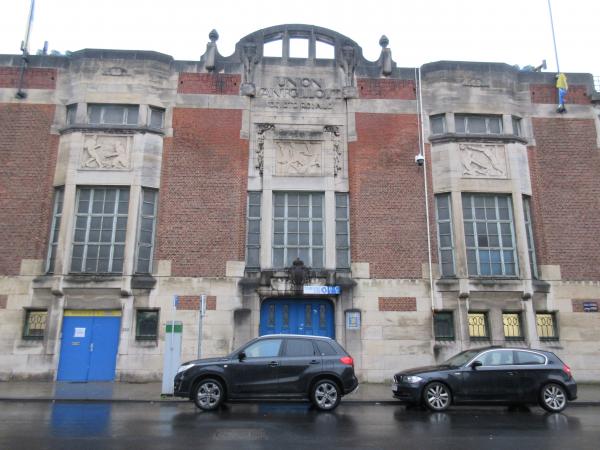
x: 241, y: 426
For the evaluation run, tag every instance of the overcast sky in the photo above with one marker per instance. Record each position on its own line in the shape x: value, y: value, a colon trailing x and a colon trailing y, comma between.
x: 420, y: 31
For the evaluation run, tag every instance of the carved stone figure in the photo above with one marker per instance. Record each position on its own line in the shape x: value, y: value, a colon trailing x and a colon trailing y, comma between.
x: 105, y: 152
x: 337, y: 148
x: 348, y: 63
x: 483, y: 160
x: 250, y: 59
x: 262, y: 128
x: 298, y: 158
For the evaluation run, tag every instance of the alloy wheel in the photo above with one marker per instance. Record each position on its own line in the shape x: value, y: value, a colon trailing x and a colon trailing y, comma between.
x: 326, y: 395
x: 437, y: 397
x: 554, y: 398
x: 208, y: 395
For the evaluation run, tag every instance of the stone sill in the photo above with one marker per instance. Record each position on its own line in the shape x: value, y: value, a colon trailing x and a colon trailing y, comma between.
x: 110, y: 129
x: 463, y: 137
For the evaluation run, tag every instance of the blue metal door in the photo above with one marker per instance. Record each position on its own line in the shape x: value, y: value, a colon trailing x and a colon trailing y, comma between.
x: 89, y: 346
x: 297, y: 316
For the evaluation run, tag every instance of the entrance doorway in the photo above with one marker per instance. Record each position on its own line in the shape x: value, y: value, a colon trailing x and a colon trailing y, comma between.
x: 90, y: 340
x: 297, y: 316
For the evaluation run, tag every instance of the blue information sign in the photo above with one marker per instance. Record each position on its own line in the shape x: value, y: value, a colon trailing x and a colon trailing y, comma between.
x: 322, y: 290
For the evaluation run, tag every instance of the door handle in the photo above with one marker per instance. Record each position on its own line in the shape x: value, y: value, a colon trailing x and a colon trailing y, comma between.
x: 314, y: 361
x: 92, y: 347
x: 510, y: 373
x: 273, y: 364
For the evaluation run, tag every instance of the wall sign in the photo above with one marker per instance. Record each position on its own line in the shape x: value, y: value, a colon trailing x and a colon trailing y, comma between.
x: 590, y: 306
x: 352, y: 320
x: 322, y: 290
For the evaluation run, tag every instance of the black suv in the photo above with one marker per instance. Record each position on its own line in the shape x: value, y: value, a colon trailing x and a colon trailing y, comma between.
x: 490, y: 375
x: 271, y: 367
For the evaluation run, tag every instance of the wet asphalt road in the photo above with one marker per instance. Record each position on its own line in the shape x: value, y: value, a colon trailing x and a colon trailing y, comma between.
x: 69, y: 425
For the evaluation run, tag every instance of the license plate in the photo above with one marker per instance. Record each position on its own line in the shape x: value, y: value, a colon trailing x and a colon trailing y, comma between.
x: 394, y: 386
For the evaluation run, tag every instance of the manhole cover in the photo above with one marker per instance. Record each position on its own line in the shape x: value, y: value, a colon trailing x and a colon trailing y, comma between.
x: 239, y: 434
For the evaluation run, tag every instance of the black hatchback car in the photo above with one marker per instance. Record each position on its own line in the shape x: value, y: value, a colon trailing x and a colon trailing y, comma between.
x: 490, y: 375
x: 271, y: 367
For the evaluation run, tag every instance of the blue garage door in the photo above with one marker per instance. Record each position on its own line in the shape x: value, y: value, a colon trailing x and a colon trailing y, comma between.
x: 90, y: 340
x: 297, y: 316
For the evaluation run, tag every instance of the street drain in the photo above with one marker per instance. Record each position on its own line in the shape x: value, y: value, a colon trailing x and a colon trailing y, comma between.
x: 240, y: 434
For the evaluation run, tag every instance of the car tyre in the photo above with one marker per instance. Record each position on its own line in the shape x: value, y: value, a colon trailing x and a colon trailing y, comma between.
x: 437, y: 396
x: 208, y: 394
x: 553, y: 397
x: 325, y: 395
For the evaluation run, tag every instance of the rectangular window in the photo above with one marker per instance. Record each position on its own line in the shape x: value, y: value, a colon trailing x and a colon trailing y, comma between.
x: 342, y: 231
x: 512, y: 325
x: 146, y: 230
x: 71, y: 113
x: 489, y: 235
x: 445, y: 240
x: 478, y: 327
x: 35, y: 323
x: 478, y: 124
x: 55, y: 229
x: 530, y: 241
x: 516, y: 125
x: 157, y: 117
x: 106, y: 114
x: 438, y: 124
x: 298, y: 229
x: 100, y: 228
x: 546, y: 326
x: 146, y: 324
x: 253, y: 231
x: 443, y: 324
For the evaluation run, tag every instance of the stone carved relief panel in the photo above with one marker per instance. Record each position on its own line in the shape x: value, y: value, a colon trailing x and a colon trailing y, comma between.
x: 298, y: 158
x: 106, y: 153
x: 483, y: 160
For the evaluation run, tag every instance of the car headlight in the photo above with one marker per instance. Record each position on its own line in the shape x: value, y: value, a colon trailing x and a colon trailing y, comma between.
x: 184, y: 367
x: 412, y: 379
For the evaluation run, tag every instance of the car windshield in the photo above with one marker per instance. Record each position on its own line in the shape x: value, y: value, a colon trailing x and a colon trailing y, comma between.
x: 461, y: 358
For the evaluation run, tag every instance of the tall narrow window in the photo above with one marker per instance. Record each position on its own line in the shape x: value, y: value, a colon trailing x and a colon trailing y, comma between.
x: 478, y: 326
x: 55, y: 229
x: 146, y: 230
x: 342, y: 231
x: 100, y: 228
x: 157, y: 117
x: 512, y: 325
x: 297, y: 228
x: 489, y: 235
x: 253, y: 231
x: 35, y: 323
x: 546, y: 325
x: 437, y: 124
x: 530, y: 241
x: 71, y: 113
x: 446, y: 243
x: 443, y: 324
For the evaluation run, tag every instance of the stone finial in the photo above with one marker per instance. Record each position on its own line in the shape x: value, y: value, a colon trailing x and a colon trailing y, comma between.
x: 386, y: 56
x: 211, y: 51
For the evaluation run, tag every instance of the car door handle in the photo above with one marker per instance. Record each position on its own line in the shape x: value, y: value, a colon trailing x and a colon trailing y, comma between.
x: 510, y: 373
x: 273, y: 364
x: 314, y: 361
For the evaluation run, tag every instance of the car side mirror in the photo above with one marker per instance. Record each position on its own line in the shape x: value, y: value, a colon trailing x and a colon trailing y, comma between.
x: 476, y: 364
x: 241, y: 356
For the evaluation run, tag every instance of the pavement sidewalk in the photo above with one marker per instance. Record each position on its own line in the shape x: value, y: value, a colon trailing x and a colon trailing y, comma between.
x: 588, y: 394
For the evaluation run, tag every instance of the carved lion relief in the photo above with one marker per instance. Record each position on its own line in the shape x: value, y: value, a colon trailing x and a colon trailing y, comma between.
x: 106, y: 152
x: 298, y: 158
x: 483, y: 160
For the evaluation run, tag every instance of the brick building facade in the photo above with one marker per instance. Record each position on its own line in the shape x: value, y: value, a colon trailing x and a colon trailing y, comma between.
x: 129, y: 180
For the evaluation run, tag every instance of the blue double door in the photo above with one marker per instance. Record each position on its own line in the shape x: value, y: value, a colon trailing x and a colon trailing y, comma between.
x: 297, y: 316
x: 89, y: 346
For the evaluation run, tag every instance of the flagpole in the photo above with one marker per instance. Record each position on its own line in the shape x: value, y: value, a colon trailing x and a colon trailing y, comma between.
x: 25, y: 49
x: 553, y: 36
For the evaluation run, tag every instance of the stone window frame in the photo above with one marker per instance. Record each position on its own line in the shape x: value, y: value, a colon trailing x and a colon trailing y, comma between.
x: 57, y: 209
x: 530, y: 237
x: 554, y: 325
x: 486, y: 325
x: 128, y: 110
x: 519, y: 326
x: 449, y: 315
x: 465, y: 119
x: 469, y: 204
x: 286, y: 246
x: 146, y: 337
x: 442, y: 249
x: 27, y: 316
x: 145, y: 214
x: 88, y: 215
x: 342, y: 228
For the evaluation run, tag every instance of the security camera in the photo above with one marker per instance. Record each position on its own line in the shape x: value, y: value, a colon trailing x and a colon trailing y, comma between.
x: 419, y: 159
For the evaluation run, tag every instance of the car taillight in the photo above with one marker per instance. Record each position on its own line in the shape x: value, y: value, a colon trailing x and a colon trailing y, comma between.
x: 347, y: 360
x: 566, y: 369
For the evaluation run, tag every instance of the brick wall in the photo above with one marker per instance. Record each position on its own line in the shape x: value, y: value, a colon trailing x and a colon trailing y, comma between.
x: 209, y: 83
x: 192, y: 302
x: 397, y: 304
x: 201, y: 221
x: 566, y: 195
x: 27, y: 162
x: 33, y: 79
x: 548, y: 94
x: 386, y: 88
x: 387, y: 214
